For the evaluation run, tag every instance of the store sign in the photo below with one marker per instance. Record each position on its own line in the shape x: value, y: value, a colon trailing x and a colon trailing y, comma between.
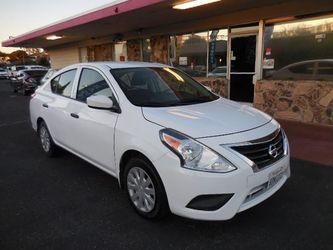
x: 268, y: 64
x: 183, y: 60
x: 268, y: 51
x: 212, y: 47
x: 212, y: 50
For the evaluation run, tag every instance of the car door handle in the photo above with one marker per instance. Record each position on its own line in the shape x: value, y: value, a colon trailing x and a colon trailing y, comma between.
x: 75, y: 115
x: 45, y: 105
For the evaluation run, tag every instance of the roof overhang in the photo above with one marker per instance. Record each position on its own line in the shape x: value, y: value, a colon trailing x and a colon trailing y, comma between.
x: 140, y: 18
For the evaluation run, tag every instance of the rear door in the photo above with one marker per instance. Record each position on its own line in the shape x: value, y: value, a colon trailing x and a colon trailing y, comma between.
x: 92, y: 130
x: 56, y: 105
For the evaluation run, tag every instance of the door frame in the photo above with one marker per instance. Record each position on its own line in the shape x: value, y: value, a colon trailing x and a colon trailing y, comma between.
x: 244, y: 32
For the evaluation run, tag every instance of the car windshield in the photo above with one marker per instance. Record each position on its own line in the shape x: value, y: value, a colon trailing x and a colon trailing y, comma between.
x: 160, y: 87
x: 36, y: 73
x: 2, y: 70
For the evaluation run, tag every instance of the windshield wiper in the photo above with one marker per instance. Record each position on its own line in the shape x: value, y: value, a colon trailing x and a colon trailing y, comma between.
x: 196, y: 101
x: 159, y: 104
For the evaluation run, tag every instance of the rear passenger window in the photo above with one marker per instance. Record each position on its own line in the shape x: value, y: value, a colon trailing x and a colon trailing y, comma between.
x: 63, y: 83
x: 92, y: 83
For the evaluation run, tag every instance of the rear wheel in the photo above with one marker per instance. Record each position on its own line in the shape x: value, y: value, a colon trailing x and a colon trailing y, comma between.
x: 145, y: 189
x: 47, y: 143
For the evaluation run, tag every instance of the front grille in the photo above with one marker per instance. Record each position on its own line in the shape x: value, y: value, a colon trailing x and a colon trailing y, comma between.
x: 263, y: 152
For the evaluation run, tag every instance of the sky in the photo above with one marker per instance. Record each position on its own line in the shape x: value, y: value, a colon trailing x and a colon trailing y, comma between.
x: 21, y: 16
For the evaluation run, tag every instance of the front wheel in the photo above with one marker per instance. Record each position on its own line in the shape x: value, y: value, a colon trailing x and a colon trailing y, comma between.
x: 47, y: 143
x: 145, y: 189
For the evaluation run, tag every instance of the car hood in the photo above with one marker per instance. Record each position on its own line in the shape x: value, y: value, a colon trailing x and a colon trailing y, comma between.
x: 216, y: 118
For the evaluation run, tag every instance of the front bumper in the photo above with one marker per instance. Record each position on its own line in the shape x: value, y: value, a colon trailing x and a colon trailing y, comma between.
x: 183, y: 185
x: 248, y: 187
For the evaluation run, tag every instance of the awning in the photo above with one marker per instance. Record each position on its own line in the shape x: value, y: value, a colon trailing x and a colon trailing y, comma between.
x: 144, y: 18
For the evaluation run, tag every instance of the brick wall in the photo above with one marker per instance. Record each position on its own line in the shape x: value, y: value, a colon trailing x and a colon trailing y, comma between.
x: 218, y: 85
x: 133, y: 50
x: 102, y: 52
x: 159, y: 49
x: 305, y: 101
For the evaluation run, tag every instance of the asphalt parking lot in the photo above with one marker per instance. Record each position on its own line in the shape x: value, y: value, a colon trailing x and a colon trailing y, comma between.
x: 65, y: 203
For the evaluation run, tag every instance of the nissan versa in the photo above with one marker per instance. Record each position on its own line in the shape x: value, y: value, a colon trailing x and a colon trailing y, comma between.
x: 172, y: 144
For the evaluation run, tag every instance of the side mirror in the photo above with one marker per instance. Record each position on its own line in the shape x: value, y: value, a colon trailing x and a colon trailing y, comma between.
x: 99, y: 102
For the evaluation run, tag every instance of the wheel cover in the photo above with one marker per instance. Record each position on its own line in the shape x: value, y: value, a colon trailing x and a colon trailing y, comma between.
x: 45, y: 138
x: 141, y: 189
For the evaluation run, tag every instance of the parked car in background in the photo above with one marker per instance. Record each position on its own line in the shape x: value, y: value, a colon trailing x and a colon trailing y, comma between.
x: 220, y: 71
x: 35, y: 67
x: 26, y: 81
x: 47, y: 76
x: 3, y: 74
x: 16, y: 68
x: 9, y: 72
x: 305, y: 70
x: 171, y: 143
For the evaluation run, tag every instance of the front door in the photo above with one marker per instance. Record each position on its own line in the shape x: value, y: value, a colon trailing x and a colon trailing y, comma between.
x: 92, y: 130
x: 242, y: 60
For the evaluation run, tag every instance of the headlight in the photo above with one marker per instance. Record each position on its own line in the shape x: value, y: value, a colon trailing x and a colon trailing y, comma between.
x: 285, y: 143
x: 194, y: 155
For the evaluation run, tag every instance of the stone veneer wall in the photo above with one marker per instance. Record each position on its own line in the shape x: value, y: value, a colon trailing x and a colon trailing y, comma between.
x: 305, y: 101
x: 159, y: 49
x: 133, y: 50
x: 218, y: 85
x: 102, y: 52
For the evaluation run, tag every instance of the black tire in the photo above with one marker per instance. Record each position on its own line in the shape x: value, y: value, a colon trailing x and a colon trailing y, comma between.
x: 52, y: 149
x: 161, y: 207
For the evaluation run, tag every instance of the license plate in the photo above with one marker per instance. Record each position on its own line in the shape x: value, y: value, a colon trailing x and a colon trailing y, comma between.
x: 275, y: 177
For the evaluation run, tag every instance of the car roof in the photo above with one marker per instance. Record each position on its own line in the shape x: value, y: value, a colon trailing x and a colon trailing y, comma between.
x: 27, y: 70
x: 119, y: 65
x: 307, y: 61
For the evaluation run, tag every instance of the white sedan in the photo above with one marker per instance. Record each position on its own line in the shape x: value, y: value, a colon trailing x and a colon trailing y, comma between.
x: 172, y: 144
x: 3, y: 74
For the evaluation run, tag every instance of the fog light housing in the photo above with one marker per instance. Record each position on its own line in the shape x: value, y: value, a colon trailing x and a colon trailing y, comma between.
x: 210, y: 202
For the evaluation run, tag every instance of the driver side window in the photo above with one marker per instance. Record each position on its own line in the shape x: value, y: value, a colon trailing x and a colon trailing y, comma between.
x: 92, y: 83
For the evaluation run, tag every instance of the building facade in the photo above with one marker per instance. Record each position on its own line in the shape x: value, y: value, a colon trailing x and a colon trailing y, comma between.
x: 277, y: 55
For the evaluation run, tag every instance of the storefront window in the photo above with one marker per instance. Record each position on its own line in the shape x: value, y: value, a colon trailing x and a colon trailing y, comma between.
x: 146, y: 50
x: 299, y: 50
x: 189, y: 53
x: 217, y: 53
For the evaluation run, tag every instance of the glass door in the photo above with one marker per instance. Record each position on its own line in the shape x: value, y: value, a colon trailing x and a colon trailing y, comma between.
x: 242, y: 61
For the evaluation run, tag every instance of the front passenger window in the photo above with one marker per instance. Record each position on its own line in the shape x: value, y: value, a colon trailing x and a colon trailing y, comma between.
x: 92, y: 83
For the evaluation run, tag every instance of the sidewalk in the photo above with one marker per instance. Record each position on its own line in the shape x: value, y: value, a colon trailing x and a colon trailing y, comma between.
x: 310, y: 142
